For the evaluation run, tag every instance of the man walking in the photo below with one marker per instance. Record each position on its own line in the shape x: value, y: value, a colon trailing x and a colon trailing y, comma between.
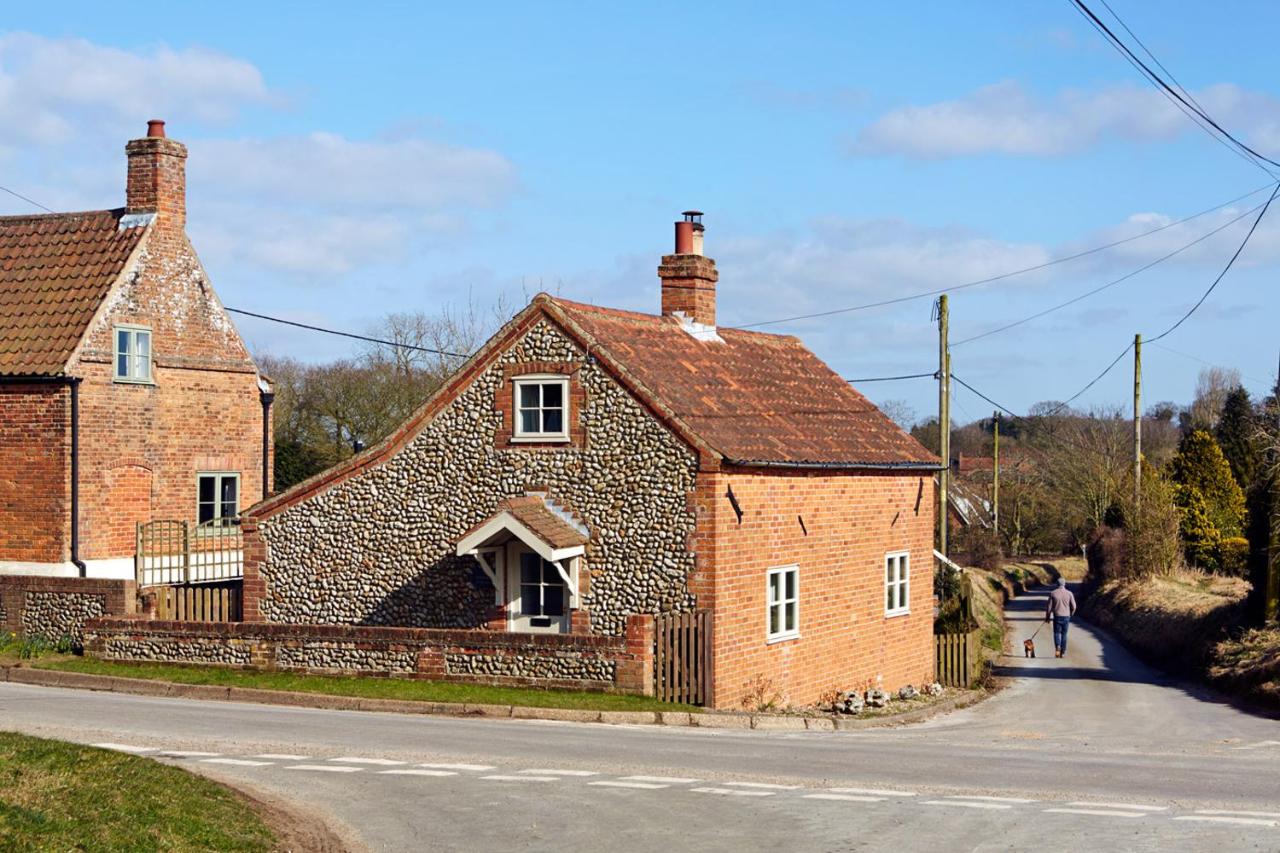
x: 1060, y: 608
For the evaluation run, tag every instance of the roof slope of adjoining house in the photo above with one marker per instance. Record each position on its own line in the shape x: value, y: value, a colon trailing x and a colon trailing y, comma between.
x: 55, y: 270
x: 756, y: 398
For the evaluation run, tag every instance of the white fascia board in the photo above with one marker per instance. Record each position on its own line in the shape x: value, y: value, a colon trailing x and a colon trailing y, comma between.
x: 504, y: 522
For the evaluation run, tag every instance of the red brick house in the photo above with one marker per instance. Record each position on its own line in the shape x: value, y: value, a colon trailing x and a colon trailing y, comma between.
x: 589, y: 466
x: 126, y: 392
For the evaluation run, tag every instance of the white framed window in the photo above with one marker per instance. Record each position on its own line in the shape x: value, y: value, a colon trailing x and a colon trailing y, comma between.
x: 783, y: 608
x: 132, y: 361
x: 541, y: 408
x: 217, y: 498
x: 897, y: 583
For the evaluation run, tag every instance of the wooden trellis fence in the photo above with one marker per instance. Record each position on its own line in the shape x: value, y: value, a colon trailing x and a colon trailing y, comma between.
x: 179, y: 552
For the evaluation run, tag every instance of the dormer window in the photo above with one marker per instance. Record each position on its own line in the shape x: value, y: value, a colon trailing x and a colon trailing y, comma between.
x: 541, y: 408
x: 132, y: 354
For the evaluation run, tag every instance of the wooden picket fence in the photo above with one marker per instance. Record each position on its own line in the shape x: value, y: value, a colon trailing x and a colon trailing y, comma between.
x: 958, y: 658
x: 199, y: 603
x: 682, y: 656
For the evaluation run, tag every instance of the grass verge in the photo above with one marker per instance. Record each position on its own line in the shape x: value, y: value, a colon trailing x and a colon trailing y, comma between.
x: 368, y: 687
x: 62, y: 796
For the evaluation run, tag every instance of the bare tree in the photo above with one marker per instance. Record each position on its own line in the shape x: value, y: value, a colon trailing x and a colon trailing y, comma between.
x: 1212, y: 388
x: 900, y: 412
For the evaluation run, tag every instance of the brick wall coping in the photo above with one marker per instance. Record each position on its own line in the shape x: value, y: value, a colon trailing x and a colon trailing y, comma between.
x: 358, y: 633
x: 37, y: 583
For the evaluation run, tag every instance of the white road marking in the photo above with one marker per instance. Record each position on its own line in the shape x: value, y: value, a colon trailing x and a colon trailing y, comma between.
x: 325, y: 768
x: 501, y: 778
x: 1098, y: 812
x: 124, y: 747
x: 963, y: 804
x: 1018, y: 800
x: 665, y: 780
x: 766, y: 785
x: 873, y: 792
x: 1238, y: 814
x: 644, y: 786
x: 381, y: 762
x: 846, y: 798
x: 184, y: 753
x: 478, y: 768
x: 1246, y: 821
x: 1132, y: 807
x: 732, y: 792
x: 409, y: 771
x: 283, y: 756
x: 549, y: 771
x: 236, y: 762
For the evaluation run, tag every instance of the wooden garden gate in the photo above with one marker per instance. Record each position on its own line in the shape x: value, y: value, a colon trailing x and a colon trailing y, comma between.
x: 682, y: 656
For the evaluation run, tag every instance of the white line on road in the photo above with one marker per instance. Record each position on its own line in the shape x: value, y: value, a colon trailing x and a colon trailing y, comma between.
x: 549, y: 771
x: 664, y: 780
x: 873, y: 792
x: 409, y: 771
x: 766, y: 785
x: 186, y: 753
x: 963, y: 804
x: 325, y: 768
x: 1246, y: 821
x: 1098, y: 812
x: 732, y: 792
x: 478, y: 768
x: 844, y: 798
x: 124, y: 747
x: 236, y: 762
x: 1238, y: 814
x: 643, y: 786
x: 1017, y: 800
x: 1132, y: 807
x: 283, y: 756
x: 381, y: 762
x: 501, y: 778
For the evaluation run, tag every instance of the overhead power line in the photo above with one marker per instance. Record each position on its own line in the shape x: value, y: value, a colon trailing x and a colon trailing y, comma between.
x: 896, y: 378
x: 1110, y: 284
x: 1065, y: 403
x: 1012, y: 273
x: 1222, y: 274
x: 1208, y: 363
x: 413, y: 347
x: 27, y: 200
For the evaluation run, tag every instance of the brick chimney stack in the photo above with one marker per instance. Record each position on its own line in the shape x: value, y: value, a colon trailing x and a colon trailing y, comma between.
x: 688, y: 277
x: 157, y: 176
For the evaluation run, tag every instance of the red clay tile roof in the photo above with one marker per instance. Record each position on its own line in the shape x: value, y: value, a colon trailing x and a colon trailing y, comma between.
x: 756, y: 398
x: 55, y: 271
x: 532, y: 511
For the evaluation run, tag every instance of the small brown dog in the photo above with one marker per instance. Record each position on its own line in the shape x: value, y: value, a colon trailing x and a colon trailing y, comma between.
x: 1029, y: 648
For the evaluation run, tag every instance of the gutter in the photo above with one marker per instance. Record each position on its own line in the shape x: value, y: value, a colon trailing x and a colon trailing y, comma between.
x: 869, y: 466
x: 72, y: 382
x: 268, y: 397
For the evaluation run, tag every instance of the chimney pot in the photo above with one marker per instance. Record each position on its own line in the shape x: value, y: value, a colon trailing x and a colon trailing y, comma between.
x: 157, y: 180
x: 688, y: 278
x: 155, y: 128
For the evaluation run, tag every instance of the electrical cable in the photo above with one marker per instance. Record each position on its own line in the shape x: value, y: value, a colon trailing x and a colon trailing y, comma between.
x: 932, y: 375
x: 27, y: 200
x: 349, y: 334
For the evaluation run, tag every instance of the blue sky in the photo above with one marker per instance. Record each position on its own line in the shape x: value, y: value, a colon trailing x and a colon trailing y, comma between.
x: 383, y: 157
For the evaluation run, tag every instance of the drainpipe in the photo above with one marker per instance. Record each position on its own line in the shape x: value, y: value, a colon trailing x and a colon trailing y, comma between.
x: 268, y: 397
x: 74, y: 382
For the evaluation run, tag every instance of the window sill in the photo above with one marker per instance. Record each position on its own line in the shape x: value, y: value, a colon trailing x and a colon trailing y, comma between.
x: 539, y: 439
x: 890, y: 614
x: 145, y: 382
x: 782, y: 638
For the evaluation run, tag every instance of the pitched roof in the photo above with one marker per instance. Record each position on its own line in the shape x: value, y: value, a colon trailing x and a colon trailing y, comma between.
x: 55, y: 271
x: 754, y: 397
x: 534, y: 513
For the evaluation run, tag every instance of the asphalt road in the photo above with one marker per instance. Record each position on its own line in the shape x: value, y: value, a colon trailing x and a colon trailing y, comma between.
x: 1093, y: 751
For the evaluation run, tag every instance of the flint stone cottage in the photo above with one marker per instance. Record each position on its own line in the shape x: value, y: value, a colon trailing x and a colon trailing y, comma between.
x: 590, y: 469
x: 126, y: 394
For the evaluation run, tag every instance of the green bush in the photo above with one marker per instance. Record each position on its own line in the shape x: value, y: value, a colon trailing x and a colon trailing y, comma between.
x: 1233, y: 556
x: 34, y: 646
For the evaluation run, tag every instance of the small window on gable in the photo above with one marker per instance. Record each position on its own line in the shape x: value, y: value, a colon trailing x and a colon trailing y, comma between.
x: 541, y: 408
x: 217, y: 499
x: 897, y: 584
x: 132, y: 354
x: 783, y: 605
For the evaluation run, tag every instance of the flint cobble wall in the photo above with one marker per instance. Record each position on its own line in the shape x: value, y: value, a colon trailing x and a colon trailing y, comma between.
x: 56, y: 607
x: 378, y: 547
x: 621, y: 664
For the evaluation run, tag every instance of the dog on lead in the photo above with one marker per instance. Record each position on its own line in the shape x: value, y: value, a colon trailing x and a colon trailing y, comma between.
x: 1029, y: 648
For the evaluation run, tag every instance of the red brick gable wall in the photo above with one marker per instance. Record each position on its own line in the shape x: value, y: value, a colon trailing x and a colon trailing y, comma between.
x: 35, y: 489
x: 850, y: 522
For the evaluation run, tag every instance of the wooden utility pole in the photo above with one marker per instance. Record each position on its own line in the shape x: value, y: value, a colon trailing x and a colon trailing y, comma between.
x: 944, y: 420
x: 1271, y: 600
x: 1137, y: 421
x: 995, y: 480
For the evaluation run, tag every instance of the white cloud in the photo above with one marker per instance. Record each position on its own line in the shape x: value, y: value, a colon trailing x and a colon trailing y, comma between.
x: 54, y: 90
x: 1006, y: 119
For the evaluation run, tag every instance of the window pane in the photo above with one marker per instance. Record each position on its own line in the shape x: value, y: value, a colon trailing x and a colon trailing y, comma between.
x: 143, y: 341
x: 775, y: 588
x: 529, y: 396
x: 229, y: 504
x: 552, y: 420
x: 791, y: 585
x: 122, y: 341
x: 122, y: 366
x: 552, y: 395
x: 207, y: 489
x: 791, y: 616
x: 889, y: 597
x: 529, y: 421
x: 204, y: 513
x: 890, y: 571
x: 553, y: 600
x: 530, y: 600
x: 530, y: 569
x: 902, y: 595
x: 773, y: 620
